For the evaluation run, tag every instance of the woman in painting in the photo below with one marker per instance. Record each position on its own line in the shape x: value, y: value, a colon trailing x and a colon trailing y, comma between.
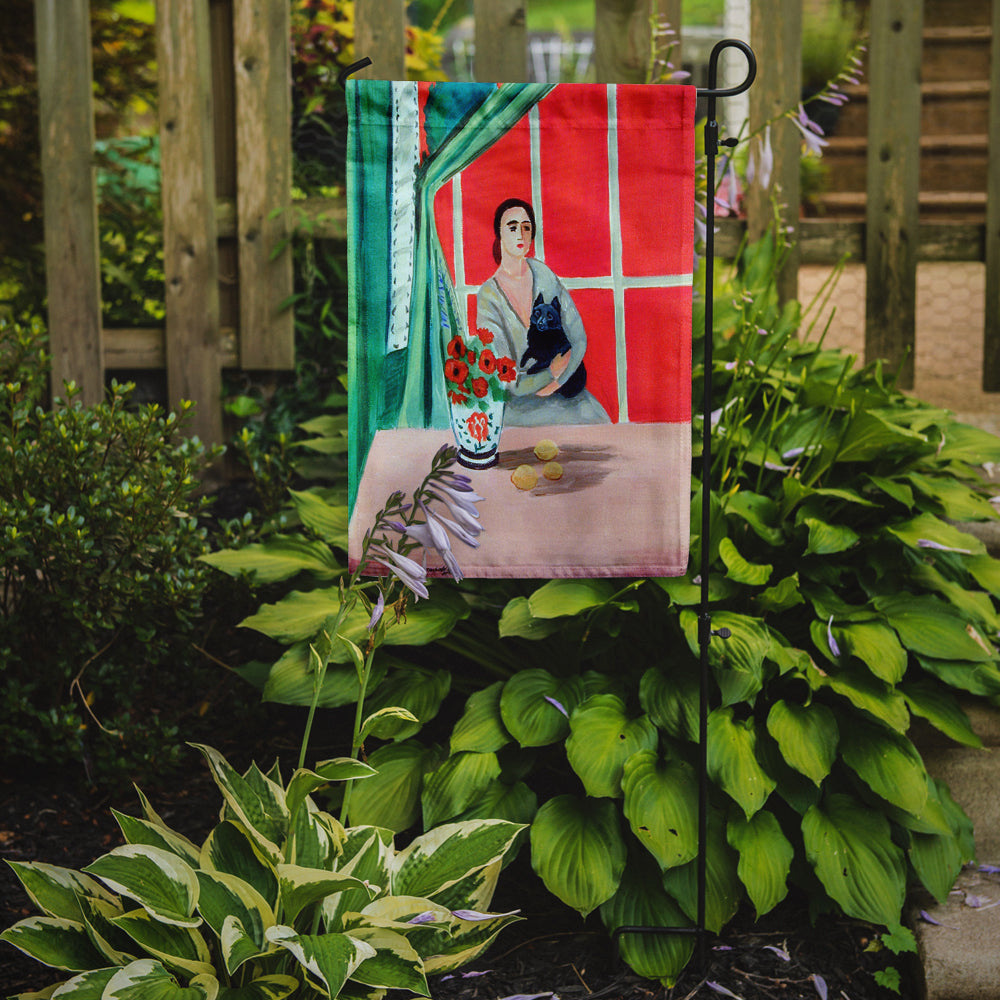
x: 527, y: 309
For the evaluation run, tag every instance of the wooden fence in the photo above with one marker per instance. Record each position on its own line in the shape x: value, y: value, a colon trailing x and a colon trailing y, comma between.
x: 226, y: 162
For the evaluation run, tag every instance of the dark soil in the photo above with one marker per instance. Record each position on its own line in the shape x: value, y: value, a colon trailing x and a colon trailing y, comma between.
x: 550, y: 952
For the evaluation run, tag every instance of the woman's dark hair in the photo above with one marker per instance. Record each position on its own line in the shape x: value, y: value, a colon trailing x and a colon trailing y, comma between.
x: 505, y: 206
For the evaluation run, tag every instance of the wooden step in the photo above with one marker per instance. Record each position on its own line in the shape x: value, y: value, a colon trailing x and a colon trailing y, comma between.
x: 956, y: 53
x: 957, y: 206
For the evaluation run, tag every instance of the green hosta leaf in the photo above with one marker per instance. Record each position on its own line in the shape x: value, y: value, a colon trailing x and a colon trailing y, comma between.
x: 928, y: 528
x: 230, y: 849
x: 602, y: 738
x: 456, y: 784
x: 941, y: 709
x: 828, y: 539
x: 870, y: 435
x: 304, y: 782
x: 957, y: 501
x: 751, y: 574
x: 765, y: 858
x: 641, y: 901
x: 260, y: 809
x: 327, y: 520
x: 226, y: 898
x: 723, y: 889
x: 530, y: 706
x: 481, y: 728
x: 888, y: 763
x: 976, y: 678
x: 141, y: 831
x: 758, y: 511
x: 180, y: 948
x: 661, y: 799
x: 986, y: 572
x: 301, y: 887
x: 391, y: 798
x: 578, y: 851
x: 395, y: 964
x: 783, y: 595
x: 279, y: 558
x: 850, y: 848
x: 738, y: 661
x: 876, y: 646
x: 672, y: 699
x: 274, y: 987
x: 937, y: 859
x: 517, y: 620
x: 972, y: 445
x: 931, y: 628
x: 54, y: 941
x: 516, y: 803
x: 558, y: 598
x: 160, y: 882
x: 292, y: 680
x: 147, y: 979
x: 893, y: 488
x: 976, y: 605
x: 438, y: 859
x: 865, y: 692
x: 732, y: 760
x: 683, y: 592
x: 56, y: 891
x: 807, y: 736
x: 330, y: 959
x: 416, y: 690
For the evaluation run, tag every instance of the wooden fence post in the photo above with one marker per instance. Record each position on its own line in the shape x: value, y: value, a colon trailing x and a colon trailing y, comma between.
x: 892, y: 214
x: 72, y: 255
x: 501, y: 41
x: 190, y: 251
x: 380, y: 34
x: 261, y: 56
x: 776, y: 35
x: 622, y: 40
x: 991, y: 332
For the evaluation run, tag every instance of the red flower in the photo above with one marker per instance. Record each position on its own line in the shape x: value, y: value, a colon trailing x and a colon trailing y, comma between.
x: 484, y: 335
x: 457, y: 397
x: 480, y: 387
x: 506, y: 369
x: 470, y: 357
x: 487, y: 361
x: 456, y: 347
x: 455, y: 371
x: 478, y: 426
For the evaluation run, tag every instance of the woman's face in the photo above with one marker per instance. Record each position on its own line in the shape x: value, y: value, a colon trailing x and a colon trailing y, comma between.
x: 515, y: 232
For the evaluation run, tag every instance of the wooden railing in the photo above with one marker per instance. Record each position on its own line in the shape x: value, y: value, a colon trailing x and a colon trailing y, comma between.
x: 226, y: 161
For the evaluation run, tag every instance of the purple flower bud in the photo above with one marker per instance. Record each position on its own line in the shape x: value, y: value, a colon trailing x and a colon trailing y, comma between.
x: 558, y: 705
x: 834, y: 648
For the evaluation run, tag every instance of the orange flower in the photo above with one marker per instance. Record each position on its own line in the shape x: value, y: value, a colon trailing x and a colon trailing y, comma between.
x: 487, y: 361
x: 506, y: 369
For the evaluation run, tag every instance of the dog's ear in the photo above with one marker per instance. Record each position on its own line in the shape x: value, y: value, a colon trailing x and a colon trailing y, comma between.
x: 539, y: 301
x: 556, y: 306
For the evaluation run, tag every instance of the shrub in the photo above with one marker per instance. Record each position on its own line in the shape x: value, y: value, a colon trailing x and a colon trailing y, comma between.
x: 99, y: 540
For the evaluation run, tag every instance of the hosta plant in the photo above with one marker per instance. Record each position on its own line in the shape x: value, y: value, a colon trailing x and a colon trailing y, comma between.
x: 279, y: 900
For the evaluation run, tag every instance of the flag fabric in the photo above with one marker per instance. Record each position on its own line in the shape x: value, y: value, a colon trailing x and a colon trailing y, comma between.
x: 521, y: 267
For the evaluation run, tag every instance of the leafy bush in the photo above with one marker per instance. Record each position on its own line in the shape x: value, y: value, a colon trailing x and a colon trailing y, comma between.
x: 855, y: 602
x: 279, y: 899
x: 99, y: 542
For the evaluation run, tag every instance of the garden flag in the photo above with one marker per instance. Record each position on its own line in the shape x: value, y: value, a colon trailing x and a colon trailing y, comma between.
x: 521, y: 262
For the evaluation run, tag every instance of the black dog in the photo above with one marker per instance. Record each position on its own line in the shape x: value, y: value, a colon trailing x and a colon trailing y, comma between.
x: 547, y: 340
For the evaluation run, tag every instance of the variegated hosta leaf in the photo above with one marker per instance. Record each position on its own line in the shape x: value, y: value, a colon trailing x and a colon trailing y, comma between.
x: 315, y: 838
x: 602, y: 737
x: 661, y: 799
x: 850, y: 847
x: 415, y: 690
x: 274, y: 987
x: 732, y: 760
x: 466, y: 940
x: 395, y: 964
x: 177, y: 947
x: 158, y: 880
x: 56, y: 891
x: 481, y: 727
x: 227, y: 897
x: 578, y: 851
x: 256, y: 801
x: 301, y: 887
x: 142, y: 831
x: 671, y: 699
x: 304, y: 782
x: 86, y: 986
x: 99, y: 915
x: 535, y: 706
x: 147, y: 979
x: 443, y: 856
x: 230, y: 849
x: 55, y: 941
x: 642, y: 902
x: 723, y: 889
x: 807, y: 736
x: 888, y: 763
x: 238, y: 944
x: 367, y: 853
x: 329, y: 959
x: 456, y: 784
x: 391, y: 799
x: 476, y: 890
x: 765, y: 858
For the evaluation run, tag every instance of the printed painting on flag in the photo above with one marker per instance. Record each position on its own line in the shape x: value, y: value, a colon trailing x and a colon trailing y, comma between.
x: 520, y: 277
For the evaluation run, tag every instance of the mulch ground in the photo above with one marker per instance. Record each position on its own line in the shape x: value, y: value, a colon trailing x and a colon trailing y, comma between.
x: 551, y: 952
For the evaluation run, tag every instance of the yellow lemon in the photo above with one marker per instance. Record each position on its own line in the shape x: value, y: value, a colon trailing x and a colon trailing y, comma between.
x: 524, y: 477
x: 546, y: 450
x: 552, y: 470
